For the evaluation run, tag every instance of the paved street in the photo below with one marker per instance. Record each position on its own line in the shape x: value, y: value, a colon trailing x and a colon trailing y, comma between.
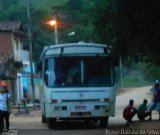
x: 31, y: 124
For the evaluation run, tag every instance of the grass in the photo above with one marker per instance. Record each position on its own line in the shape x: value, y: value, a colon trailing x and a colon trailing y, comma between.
x: 133, y: 81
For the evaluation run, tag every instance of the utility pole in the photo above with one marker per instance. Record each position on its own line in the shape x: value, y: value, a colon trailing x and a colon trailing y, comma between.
x: 56, y: 34
x: 56, y: 29
x: 28, y: 2
x: 54, y: 24
x: 121, y: 72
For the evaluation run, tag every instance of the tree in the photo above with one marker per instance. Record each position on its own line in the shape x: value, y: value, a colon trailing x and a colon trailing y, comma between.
x: 132, y: 27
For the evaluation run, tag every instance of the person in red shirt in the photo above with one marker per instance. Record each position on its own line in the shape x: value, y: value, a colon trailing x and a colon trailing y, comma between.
x: 129, y: 112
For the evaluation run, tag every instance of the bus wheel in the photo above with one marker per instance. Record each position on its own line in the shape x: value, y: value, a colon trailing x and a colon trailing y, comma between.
x: 44, y: 120
x: 104, y: 122
x: 51, y: 123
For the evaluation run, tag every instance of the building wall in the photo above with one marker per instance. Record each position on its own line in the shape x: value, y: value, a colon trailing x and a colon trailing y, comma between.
x: 17, y: 43
x: 7, y: 44
x: 11, y: 42
x: 5, y: 41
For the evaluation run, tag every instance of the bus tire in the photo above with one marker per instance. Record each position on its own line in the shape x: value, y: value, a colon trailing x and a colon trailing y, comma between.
x: 51, y: 123
x: 104, y: 122
x: 44, y: 120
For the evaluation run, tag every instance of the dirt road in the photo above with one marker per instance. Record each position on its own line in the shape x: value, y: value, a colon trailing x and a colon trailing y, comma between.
x: 137, y: 94
x: 33, y: 121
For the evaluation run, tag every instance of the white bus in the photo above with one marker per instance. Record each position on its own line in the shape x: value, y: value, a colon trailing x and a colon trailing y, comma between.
x: 77, y: 82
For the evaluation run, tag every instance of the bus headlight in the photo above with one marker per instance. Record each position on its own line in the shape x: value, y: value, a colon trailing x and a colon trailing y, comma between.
x: 105, y: 108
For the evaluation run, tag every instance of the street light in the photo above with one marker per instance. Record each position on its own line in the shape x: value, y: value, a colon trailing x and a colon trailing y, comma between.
x: 54, y: 23
x: 71, y: 33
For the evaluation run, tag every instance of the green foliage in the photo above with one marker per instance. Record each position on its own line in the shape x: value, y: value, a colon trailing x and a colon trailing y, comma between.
x: 132, y: 76
x: 104, y: 21
x: 141, y: 21
x: 74, y: 18
x: 132, y: 27
x: 150, y: 71
x: 133, y: 81
x: 40, y: 13
x: 43, y: 4
x: 140, y: 74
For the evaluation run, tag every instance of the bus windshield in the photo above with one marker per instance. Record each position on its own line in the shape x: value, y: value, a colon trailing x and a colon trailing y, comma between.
x: 78, y: 72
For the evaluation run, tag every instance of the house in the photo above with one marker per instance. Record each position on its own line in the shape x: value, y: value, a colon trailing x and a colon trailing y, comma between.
x: 13, y: 58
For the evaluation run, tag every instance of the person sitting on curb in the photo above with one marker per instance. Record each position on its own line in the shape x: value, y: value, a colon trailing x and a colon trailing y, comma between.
x: 155, y: 103
x: 143, y: 111
x: 129, y: 112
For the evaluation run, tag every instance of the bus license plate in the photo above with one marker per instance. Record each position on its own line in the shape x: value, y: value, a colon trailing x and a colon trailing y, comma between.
x: 83, y: 114
x: 80, y: 107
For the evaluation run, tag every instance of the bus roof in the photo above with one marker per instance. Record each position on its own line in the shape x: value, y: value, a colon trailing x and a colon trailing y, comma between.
x: 76, y: 49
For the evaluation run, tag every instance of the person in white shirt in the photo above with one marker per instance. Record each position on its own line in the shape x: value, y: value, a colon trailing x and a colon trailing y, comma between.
x: 4, y: 108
